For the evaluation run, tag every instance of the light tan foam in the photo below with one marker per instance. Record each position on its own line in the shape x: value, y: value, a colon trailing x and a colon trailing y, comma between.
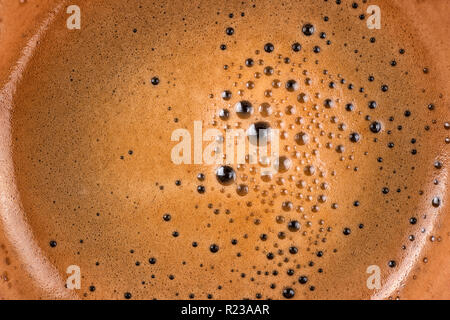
x: 14, y: 222
x: 91, y: 168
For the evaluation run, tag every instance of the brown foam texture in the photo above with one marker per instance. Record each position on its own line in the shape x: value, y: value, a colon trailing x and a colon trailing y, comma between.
x: 73, y: 104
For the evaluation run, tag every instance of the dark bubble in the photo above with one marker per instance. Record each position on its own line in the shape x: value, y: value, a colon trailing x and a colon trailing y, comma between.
x: 226, y: 95
x: 259, y: 132
x: 283, y: 164
x: 288, y: 293
x: 303, y: 279
x: 225, y: 175
x: 224, y: 114
x: 301, y: 138
x: 214, y: 248
x: 268, y: 71
x: 438, y: 165
x: 436, y: 202
x: 292, y: 85
x: 372, y: 104
x: 296, y: 47
x: 293, y: 250
x: 309, y: 170
x: 347, y: 231
x: 155, y: 81
x: 249, y: 62
x: 308, y: 29
x: 354, y: 137
x: 294, y: 225
x: 242, y: 190
x: 392, y: 264
x: 328, y: 103
x: 375, y: 127
x: 229, y: 31
x: 53, y: 243
x: 244, y: 109
x: 340, y: 148
x: 349, y: 107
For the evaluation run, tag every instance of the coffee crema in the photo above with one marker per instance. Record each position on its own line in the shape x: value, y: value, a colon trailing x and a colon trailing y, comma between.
x: 356, y: 210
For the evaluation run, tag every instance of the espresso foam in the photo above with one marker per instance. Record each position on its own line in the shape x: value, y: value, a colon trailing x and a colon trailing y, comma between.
x: 361, y: 115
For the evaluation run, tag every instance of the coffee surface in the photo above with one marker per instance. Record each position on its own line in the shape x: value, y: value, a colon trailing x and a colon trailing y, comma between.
x: 362, y: 117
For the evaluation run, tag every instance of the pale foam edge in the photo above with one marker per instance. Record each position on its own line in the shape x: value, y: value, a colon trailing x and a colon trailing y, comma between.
x: 13, y: 217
